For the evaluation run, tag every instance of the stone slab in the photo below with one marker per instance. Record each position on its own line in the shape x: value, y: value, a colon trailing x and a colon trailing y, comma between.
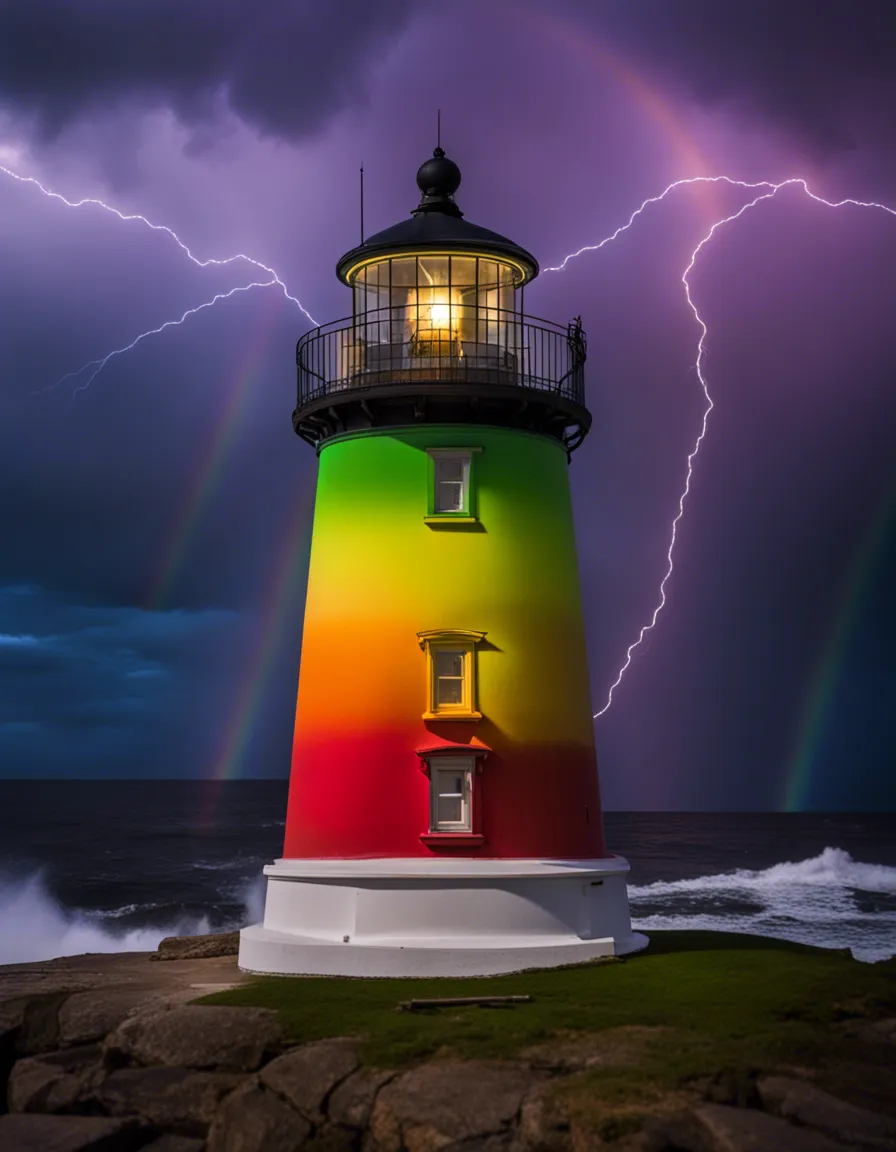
x: 799, y: 1101
x: 53, y: 1082
x: 749, y: 1130
x: 447, y: 1102
x: 197, y: 1036
x: 88, y: 1016
x: 27, y: 1133
x: 306, y: 1076
x: 177, y: 1098
x: 254, y: 1119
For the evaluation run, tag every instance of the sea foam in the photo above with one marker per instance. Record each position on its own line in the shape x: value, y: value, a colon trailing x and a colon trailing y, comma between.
x: 833, y: 868
x: 35, y: 926
x: 830, y: 900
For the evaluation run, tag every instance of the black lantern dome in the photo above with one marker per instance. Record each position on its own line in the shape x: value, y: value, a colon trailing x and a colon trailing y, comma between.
x: 438, y: 223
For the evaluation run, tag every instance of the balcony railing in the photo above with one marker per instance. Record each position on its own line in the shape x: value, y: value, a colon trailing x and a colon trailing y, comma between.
x: 474, y: 346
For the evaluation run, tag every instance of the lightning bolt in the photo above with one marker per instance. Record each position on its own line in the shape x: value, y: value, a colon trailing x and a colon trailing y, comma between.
x: 103, y: 361
x: 127, y: 217
x: 772, y: 190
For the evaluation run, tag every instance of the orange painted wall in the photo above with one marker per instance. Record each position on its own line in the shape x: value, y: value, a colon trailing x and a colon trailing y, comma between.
x: 379, y: 575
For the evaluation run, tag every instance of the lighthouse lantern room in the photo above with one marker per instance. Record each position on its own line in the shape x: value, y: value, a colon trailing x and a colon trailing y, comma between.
x: 444, y: 813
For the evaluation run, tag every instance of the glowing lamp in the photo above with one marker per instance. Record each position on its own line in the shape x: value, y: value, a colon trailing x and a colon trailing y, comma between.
x: 440, y: 315
x: 434, y: 314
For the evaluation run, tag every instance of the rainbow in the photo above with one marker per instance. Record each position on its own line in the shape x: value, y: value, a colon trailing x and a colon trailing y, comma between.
x: 826, y: 677
x: 288, y: 569
x: 209, y: 470
x: 573, y: 40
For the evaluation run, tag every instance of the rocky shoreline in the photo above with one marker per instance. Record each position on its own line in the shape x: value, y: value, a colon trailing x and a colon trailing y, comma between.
x: 109, y: 1054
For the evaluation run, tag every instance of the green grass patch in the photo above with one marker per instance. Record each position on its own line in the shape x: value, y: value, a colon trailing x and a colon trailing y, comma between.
x: 719, y: 1002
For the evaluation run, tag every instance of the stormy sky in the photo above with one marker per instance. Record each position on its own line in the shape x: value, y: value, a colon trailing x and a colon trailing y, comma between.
x: 156, y: 521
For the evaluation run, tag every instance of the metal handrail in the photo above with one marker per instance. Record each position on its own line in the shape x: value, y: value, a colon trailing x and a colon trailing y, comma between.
x: 480, y: 345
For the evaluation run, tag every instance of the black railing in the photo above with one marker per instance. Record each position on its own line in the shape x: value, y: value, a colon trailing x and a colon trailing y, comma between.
x: 463, y: 344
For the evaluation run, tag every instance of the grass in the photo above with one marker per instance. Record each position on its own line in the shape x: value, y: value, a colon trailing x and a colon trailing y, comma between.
x: 717, y: 1002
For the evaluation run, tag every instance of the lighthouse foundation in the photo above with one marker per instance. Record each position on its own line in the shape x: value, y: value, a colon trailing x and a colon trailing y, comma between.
x: 438, y: 917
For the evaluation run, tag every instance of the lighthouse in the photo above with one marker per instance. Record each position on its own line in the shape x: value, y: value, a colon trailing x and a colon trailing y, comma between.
x: 444, y: 812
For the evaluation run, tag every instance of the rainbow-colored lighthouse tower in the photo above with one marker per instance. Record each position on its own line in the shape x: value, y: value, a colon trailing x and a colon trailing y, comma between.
x: 444, y: 812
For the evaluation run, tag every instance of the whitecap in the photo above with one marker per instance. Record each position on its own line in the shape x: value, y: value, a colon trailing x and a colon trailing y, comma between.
x: 35, y: 926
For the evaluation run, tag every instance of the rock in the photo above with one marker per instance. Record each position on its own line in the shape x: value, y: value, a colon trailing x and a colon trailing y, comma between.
x: 747, y: 1130
x: 543, y: 1126
x: 171, y: 1143
x: 735, y: 1088
x: 869, y: 1084
x: 89, y: 1016
x: 177, y: 1098
x: 197, y: 1036
x: 607, y: 1048
x: 54, y: 1082
x: 306, y: 1076
x: 499, y: 1143
x: 351, y: 1102
x: 679, y: 1131
x: 20, y: 1133
x: 808, y: 1105
x: 31, y: 1023
x: 873, y: 1031
x: 448, y: 1102
x: 254, y: 1119
x: 12, y: 1012
x: 198, y: 947
x: 333, y: 1138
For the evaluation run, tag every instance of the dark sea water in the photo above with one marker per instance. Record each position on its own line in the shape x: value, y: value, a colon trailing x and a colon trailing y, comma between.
x: 90, y: 866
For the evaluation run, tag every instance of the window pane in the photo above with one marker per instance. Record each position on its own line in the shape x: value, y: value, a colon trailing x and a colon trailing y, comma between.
x: 451, y: 810
x: 449, y: 468
x: 452, y: 797
x: 433, y: 271
x: 449, y: 663
x: 404, y: 273
x: 449, y: 691
x: 449, y: 496
x: 463, y: 271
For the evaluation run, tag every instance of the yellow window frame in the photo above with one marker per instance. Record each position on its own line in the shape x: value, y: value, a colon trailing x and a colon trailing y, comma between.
x: 451, y: 640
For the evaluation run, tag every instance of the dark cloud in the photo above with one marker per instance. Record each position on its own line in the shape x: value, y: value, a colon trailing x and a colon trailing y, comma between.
x: 283, y: 66
x: 83, y: 685
x: 825, y: 69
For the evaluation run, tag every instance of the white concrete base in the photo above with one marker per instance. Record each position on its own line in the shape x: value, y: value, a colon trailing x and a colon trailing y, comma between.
x: 438, y: 917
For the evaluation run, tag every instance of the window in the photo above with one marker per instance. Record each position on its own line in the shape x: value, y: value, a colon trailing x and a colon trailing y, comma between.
x: 454, y: 771
x: 450, y: 794
x: 451, y: 674
x: 452, y: 483
x: 451, y: 493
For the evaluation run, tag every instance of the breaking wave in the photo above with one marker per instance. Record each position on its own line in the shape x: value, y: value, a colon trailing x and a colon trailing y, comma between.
x: 35, y: 926
x: 830, y: 900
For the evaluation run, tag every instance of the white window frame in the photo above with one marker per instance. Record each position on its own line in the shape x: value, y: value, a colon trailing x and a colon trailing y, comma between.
x: 439, y: 765
x: 439, y: 461
x: 465, y: 457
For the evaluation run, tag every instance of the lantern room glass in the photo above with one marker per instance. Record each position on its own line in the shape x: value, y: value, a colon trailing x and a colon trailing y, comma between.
x: 420, y: 309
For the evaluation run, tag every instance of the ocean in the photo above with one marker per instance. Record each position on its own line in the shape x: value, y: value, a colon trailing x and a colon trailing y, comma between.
x: 106, y: 866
